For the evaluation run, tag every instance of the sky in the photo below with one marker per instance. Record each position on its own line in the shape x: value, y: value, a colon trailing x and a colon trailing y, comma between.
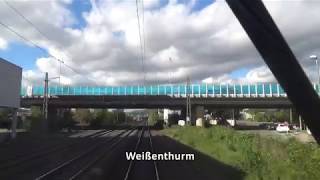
x: 98, y: 41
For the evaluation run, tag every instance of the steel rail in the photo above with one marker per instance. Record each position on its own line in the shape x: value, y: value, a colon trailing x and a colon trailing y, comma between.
x: 41, y: 154
x: 152, y: 151
x: 135, y: 149
x: 99, y: 157
x: 78, y: 157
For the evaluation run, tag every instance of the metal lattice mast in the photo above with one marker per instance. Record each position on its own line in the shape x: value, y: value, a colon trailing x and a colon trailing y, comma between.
x: 188, y: 105
x: 45, y: 99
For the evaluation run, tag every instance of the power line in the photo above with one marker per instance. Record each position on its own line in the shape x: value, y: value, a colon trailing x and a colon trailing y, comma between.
x: 36, y: 28
x: 40, y: 48
x: 141, y: 45
x: 29, y: 41
x: 143, y: 34
x: 34, y: 44
x: 26, y: 19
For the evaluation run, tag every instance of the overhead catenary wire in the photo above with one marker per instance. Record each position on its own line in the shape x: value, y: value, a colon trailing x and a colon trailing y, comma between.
x: 143, y: 32
x: 145, y: 41
x: 15, y: 10
x: 8, y: 28
x: 141, y: 41
x: 26, y: 19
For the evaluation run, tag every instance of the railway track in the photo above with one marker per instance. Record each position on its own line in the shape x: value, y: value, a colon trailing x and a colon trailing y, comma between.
x: 75, y: 167
x: 137, y: 169
x: 19, y: 160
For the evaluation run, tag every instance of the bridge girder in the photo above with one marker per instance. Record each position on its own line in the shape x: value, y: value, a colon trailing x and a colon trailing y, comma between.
x: 157, y: 102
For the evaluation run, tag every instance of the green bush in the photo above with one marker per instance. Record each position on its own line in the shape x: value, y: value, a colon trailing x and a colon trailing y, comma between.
x: 34, y: 122
x: 260, y: 157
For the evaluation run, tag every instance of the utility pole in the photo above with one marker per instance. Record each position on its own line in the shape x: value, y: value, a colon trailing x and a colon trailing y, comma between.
x: 60, y: 61
x: 188, y: 105
x: 45, y: 102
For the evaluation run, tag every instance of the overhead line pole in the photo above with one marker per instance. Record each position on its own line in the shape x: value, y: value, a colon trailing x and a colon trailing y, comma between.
x: 188, y: 105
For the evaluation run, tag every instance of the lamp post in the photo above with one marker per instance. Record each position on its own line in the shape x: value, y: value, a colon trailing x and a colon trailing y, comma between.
x: 315, y: 58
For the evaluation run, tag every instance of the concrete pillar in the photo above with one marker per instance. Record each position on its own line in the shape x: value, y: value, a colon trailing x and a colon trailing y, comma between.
x: 290, y: 111
x: 233, y: 116
x: 166, y: 116
x: 51, y: 124
x: 14, y: 124
x: 196, y: 112
x: 300, y: 122
x: 183, y: 113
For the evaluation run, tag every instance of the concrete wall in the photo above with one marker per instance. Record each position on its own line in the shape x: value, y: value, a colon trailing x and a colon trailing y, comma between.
x: 10, y: 82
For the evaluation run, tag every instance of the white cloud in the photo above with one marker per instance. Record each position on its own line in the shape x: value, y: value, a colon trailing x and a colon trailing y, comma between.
x: 3, y: 44
x: 260, y: 74
x: 205, y: 43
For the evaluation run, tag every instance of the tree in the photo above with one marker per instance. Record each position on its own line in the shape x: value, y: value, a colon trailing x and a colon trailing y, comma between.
x: 282, y: 116
x: 67, y: 120
x: 33, y: 122
x: 83, y: 116
x: 4, y: 118
x: 153, y: 117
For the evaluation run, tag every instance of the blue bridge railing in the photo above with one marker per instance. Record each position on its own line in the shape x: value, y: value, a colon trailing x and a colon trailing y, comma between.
x: 195, y: 90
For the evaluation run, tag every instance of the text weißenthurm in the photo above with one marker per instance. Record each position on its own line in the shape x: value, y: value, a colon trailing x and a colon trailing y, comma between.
x: 167, y: 156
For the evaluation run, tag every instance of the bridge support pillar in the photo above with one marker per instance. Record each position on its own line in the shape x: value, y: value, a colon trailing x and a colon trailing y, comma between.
x: 300, y: 122
x: 54, y: 116
x: 290, y: 114
x: 236, y: 115
x: 183, y: 114
x: 196, y: 112
x: 166, y: 116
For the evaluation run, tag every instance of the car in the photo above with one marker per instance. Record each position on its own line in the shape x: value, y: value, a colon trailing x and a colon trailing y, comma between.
x: 272, y: 126
x: 283, y: 128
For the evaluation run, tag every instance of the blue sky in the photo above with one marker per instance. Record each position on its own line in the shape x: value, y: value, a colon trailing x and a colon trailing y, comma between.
x: 25, y: 55
x: 22, y: 55
x: 78, y: 8
x: 109, y: 49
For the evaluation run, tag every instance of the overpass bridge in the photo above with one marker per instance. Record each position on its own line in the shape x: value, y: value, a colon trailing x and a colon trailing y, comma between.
x: 263, y: 95
x: 202, y: 96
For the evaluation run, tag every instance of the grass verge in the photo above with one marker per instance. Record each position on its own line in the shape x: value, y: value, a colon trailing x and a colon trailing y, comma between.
x: 260, y: 157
